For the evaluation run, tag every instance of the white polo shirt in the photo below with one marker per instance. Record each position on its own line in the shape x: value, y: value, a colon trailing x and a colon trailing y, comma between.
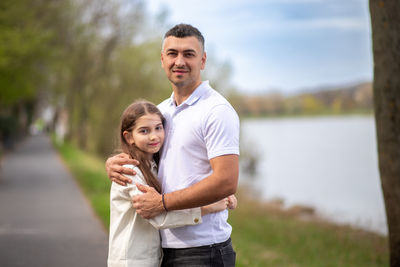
x: 203, y: 127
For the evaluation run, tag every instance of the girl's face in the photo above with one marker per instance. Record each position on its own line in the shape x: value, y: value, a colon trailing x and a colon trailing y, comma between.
x: 147, y: 135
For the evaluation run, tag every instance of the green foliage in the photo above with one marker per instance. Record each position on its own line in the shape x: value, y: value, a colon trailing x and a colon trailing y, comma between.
x: 261, y: 235
x: 21, y: 50
x: 25, y: 48
x: 27, y: 35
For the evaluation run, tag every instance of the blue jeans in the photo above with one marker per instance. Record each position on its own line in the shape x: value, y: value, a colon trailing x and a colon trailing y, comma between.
x: 215, y: 255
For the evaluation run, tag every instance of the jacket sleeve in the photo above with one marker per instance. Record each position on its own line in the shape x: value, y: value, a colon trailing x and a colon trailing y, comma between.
x: 171, y: 219
x: 176, y: 218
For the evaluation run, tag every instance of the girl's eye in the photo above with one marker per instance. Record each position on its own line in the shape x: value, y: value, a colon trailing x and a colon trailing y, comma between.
x: 159, y: 128
x: 144, y: 131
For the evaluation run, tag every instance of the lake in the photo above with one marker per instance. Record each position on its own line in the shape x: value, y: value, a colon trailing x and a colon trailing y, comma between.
x: 329, y: 163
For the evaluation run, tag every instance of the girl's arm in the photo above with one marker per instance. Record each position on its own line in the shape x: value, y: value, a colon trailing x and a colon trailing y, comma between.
x: 178, y: 218
x: 164, y: 220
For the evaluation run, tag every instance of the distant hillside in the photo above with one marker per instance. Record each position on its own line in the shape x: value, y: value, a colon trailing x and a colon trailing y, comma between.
x: 353, y: 99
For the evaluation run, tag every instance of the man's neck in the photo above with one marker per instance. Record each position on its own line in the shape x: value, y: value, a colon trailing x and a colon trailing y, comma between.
x: 183, y: 93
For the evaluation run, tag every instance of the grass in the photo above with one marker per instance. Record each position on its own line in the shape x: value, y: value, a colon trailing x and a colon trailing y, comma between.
x: 266, y: 236
x: 89, y: 171
x: 263, y: 235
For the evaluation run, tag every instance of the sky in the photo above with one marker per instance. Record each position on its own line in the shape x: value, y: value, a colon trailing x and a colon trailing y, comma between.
x: 282, y: 45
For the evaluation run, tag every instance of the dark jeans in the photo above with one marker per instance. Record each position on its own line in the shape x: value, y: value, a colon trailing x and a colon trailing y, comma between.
x: 221, y: 254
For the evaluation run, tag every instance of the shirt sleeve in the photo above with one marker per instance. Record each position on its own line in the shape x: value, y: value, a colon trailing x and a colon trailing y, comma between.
x: 171, y: 219
x: 221, y: 131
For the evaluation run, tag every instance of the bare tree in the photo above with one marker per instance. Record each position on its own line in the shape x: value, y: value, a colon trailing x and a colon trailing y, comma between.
x: 385, y: 19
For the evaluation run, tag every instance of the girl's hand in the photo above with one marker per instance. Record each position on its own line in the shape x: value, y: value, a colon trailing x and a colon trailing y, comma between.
x: 226, y: 203
x: 215, y: 207
x: 232, y: 202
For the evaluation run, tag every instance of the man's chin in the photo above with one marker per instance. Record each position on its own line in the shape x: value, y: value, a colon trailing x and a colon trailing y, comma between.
x: 177, y: 82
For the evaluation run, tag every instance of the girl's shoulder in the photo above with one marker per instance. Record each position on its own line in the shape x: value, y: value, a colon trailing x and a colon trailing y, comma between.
x: 138, y: 178
x: 133, y: 167
x: 139, y: 175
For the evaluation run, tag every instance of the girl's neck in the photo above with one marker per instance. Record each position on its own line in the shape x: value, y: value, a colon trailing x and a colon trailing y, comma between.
x: 149, y: 156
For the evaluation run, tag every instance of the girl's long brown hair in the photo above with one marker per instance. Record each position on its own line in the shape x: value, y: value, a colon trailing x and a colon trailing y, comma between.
x: 128, y: 121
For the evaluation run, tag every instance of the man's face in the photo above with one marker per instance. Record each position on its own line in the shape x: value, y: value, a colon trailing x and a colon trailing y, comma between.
x: 182, y: 60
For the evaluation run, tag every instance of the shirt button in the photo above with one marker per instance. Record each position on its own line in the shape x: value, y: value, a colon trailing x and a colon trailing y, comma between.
x: 196, y: 220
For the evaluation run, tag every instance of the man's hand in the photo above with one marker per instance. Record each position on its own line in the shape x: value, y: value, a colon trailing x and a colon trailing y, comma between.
x: 148, y: 204
x: 115, y: 170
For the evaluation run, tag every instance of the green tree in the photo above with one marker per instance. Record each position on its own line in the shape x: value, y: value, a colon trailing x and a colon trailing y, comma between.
x: 26, y: 52
x: 311, y: 105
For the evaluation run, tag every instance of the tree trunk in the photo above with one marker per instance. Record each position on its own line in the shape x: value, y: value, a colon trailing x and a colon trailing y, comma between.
x: 385, y: 19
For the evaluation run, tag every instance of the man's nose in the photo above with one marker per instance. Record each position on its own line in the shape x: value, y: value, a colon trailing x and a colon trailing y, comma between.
x: 180, y: 61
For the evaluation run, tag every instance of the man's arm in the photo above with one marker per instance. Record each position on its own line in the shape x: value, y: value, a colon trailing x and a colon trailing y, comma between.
x: 220, y: 184
x: 115, y: 170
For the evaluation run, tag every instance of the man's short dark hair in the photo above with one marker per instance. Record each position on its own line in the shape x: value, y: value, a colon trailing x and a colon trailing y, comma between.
x: 185, y: 30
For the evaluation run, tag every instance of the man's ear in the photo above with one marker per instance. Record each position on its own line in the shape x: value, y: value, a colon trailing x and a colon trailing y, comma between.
x: 128, y: 137
x: 203, y: 60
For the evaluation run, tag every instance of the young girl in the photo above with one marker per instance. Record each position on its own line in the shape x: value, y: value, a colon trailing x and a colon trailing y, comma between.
x: 135, y: 241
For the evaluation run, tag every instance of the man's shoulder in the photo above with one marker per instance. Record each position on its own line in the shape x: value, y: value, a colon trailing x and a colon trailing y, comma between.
x: 164, y: 104
x: 214, y: 100
x: 214, y: 96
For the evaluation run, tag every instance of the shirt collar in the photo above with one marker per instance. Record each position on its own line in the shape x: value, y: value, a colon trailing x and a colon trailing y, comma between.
x: 196, y: 95
x: 153, y: 167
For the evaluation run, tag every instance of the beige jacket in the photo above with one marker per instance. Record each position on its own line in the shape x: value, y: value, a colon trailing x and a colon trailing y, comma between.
x: 134, y: 241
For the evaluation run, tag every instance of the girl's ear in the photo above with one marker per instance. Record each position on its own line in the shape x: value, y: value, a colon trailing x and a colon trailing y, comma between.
x: 128, y: 137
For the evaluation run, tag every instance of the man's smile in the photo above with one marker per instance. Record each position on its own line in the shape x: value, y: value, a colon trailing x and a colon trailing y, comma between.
x: 179, y: 71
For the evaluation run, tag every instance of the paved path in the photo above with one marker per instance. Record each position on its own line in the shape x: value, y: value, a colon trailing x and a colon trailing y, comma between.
x: 44, y: 218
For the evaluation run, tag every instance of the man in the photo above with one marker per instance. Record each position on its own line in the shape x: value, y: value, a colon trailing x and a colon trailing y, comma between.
x: 199, y: 161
